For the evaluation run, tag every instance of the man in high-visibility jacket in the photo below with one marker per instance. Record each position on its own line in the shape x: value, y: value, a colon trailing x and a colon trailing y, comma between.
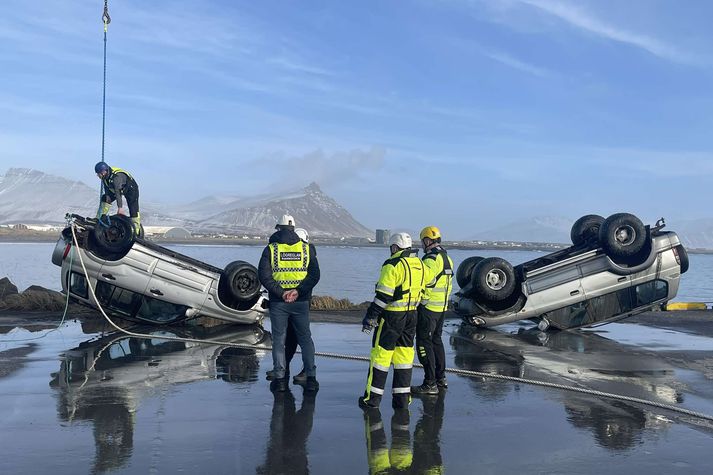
x: 393, y: 314
x: 431, y: 312
x: 118, y: 184
x: 289, y: 270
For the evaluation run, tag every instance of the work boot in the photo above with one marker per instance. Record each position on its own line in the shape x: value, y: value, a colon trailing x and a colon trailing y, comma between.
x: 279, y: 385
x: 301, y: 378
x: 270, y: 375
x: 442, y: 383
x: 311, y: 384
x: 368, y: 405
x: 425, y: 390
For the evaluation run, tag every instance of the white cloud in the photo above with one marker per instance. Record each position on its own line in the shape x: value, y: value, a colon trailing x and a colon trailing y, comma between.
x: 517, y: 64
x: 579, y: 18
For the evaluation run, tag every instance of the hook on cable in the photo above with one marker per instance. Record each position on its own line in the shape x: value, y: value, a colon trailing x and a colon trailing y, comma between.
x: 105, y: 16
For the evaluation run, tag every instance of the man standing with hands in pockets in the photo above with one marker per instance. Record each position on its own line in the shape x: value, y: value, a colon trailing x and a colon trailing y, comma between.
x: 289, y: 271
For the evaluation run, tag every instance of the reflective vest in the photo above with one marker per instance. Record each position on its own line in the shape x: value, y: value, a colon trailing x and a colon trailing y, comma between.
x: 289, y: 263
x: 439, y: 279
x: 402, y: 277
x: 108, y: 180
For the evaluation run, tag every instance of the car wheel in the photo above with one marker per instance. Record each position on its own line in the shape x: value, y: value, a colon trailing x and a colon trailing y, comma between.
x: 115, y: 237
x: 586, y: 228
x: 465, y: 270
x: 239, y: 281
x: 493, y: 279
x: 622, y: 235
x: 683, y: 257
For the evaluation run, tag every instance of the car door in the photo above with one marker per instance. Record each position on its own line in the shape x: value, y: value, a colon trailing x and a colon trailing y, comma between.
x: 597, y: 279
x: 178, y: 283
x: 131, y: 272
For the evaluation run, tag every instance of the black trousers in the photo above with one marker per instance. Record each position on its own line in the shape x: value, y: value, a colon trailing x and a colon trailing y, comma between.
x: 131, y: 195
x: 429, y: 345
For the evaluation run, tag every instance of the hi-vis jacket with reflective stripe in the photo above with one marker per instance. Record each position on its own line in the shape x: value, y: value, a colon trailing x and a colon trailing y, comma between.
x: 109, y: 179
x: 401, y: 282
x: 439, y: 279
x: 289, y: 263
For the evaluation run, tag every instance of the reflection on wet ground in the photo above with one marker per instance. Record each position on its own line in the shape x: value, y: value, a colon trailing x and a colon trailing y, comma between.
x: 78, y: 402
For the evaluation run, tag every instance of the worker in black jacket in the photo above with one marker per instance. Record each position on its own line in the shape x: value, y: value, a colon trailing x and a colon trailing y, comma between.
x: 289, y: 271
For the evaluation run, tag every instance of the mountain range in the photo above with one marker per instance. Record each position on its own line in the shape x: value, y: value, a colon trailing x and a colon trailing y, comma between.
x: 33, y: 197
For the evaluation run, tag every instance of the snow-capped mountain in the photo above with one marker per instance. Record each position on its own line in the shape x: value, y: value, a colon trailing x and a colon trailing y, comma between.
x: 553, y: 229
x: 30, y: 196
x: 311, y: 208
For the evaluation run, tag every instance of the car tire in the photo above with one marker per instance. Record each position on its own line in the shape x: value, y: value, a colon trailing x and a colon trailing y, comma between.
x: 493, y: 279
x: 586, y: 228
x: 622, y: 236
x: 683, y: 257
x: 239, y: 282
x: 465, y: 270
x: 115, y: 237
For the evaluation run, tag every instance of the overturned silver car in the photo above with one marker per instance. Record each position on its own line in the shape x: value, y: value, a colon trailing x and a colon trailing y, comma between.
x: 615, y: 268
x: 136, y: 279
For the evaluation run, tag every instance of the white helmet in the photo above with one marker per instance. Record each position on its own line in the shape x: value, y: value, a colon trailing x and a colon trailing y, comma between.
x: 286, y: 220
x: 302, y: 233
x: 402, y: 240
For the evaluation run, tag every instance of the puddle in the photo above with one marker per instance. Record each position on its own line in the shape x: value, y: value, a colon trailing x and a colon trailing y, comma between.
x: 651, y: 338
x: 113, y: 404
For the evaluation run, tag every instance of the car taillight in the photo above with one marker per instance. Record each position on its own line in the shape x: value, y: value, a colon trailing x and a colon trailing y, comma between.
x: 66, y: 251
x: 675, y: 253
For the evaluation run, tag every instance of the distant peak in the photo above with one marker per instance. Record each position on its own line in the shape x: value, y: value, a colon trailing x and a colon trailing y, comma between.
x: 313, y: 188
x: 22, y: 171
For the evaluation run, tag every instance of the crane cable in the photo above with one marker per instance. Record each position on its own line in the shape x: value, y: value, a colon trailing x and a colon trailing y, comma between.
x: 106, y: 19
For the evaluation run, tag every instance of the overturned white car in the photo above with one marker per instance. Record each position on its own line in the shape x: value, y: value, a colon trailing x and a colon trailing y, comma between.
x: 138, y: 280
x: 615, y: 268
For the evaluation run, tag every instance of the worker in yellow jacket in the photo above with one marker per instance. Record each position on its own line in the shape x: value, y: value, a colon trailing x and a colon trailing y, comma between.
x: 393, y: 314
x: 431, y: 312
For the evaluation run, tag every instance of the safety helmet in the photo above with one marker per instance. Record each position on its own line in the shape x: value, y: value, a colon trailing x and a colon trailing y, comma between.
x: 430, y: 232
x: 302, y: 233
x: 402, y: 240
x: 102, y: 167
x: 286, y: 220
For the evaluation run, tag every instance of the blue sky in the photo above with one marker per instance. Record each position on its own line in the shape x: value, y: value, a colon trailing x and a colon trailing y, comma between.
x: 461, y: 113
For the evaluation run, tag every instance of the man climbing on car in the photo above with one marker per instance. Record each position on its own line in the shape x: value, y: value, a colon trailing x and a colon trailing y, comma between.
x: 118, y: 184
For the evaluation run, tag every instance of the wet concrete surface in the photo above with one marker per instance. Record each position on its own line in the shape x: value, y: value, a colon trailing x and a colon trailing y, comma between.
x: 79, y: 401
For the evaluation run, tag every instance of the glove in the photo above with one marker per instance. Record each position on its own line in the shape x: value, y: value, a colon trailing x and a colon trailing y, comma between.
x: 368, y: 323
x: 104, y: 208
x: 371, y: 319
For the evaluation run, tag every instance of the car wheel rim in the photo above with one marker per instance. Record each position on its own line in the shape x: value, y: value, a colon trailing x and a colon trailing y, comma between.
x: 625, y: 235
x: 496, y: 279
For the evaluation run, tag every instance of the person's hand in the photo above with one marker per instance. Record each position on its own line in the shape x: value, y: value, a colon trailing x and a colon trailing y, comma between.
x: 290, y: 296
x: 368, y: 323
x: 121, y: 211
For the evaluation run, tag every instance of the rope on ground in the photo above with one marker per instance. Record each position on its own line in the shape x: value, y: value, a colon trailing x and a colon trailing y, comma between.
x: 461, y: 372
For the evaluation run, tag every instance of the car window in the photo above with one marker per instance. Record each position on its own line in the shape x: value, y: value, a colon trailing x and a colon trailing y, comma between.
x: 650, y: 292
x: 159, y: 311
x: 78, y: 285
x: 610, y: 305
x: 117, y: 299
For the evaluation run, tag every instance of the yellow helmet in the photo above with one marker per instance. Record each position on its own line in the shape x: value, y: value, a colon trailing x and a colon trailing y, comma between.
x: 430, y: 232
